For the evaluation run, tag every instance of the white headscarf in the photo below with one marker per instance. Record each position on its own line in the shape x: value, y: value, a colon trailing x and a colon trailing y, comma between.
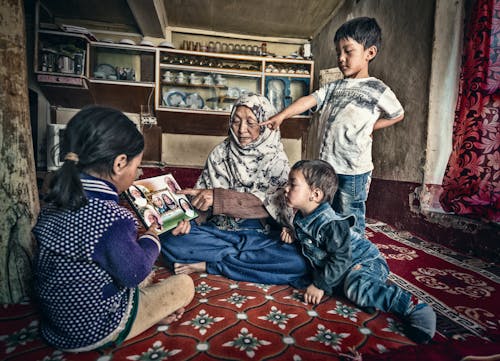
x: 260, y: 168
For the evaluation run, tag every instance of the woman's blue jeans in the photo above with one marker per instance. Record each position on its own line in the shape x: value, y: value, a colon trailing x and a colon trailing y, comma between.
x: 351, y: 197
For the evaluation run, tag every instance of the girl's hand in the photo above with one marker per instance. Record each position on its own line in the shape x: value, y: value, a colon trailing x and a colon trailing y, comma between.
x: 152, y: 231
x: 313, y: 295
x: 287, y: 236
x: 202, y: 199
x: 183, y: 227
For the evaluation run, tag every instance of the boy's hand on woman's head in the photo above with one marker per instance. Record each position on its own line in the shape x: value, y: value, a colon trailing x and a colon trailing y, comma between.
x: 286, y: 235
x: 273, y: 123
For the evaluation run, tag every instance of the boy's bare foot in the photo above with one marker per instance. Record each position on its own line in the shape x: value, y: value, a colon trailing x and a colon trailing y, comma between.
x: 187, y: 268
x: 174, y: 316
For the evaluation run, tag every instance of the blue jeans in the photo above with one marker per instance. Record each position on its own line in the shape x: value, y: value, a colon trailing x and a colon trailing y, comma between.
x: 365, y: 285
x: 351, y: 197
x: 245, y: 255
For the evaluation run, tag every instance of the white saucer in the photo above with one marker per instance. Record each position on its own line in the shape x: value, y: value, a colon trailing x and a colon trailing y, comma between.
x: 127, y: 41
x: 146, y: 43
x: 166, y: 44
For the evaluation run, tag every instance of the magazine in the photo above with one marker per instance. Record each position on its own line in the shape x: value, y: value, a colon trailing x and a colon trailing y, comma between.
x: 155, y: 200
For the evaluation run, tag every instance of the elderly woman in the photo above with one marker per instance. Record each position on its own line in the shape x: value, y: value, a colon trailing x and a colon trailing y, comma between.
x: 239, y: 192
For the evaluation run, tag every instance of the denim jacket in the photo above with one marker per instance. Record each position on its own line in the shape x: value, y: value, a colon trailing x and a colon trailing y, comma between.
x: 330, y: 246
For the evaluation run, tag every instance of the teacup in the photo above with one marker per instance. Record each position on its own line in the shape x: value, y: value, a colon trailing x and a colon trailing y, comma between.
x: 168, y: 77
x: 193, y: 79
x: 181, y: 78
x: 208, y: 80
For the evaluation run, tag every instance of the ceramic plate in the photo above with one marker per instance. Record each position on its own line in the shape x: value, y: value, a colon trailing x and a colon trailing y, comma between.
x: 146, y: 43
x: 106, y: 69
x: 166, y: 44
x: 174, y: 98
x: 233, y: 92
x: 127, y: 41
x: 195, y: 101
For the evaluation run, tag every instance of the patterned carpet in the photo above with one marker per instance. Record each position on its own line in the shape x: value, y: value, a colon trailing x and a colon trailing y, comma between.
x: 231, y: 320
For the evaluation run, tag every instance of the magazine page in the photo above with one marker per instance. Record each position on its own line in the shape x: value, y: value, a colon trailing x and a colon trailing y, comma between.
x: 156, y: 202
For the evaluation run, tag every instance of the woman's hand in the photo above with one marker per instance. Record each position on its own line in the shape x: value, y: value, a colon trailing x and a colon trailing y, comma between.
x: 313, y: 295
x: 202, y: 199
x: 286, y: 235
x: 183, y: 227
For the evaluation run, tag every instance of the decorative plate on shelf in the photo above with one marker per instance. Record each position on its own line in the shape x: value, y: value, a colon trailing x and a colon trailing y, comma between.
x: 233, y: 92
x: 107, y: 70
x: 174, y: 98
x: 194, y: 101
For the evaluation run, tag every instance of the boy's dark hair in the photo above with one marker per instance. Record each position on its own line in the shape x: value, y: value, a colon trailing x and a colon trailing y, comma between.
x: 97, y: 135
x: 364, y: 30
x: 319, y: 174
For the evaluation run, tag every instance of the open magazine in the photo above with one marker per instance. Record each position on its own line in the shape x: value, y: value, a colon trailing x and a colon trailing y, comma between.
x: 156, y: 203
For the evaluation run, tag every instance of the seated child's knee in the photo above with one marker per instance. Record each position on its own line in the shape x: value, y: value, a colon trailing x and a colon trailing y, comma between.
x: 186, y: 286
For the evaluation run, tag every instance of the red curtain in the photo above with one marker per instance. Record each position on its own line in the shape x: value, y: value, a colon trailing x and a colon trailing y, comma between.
x: 471, y: 184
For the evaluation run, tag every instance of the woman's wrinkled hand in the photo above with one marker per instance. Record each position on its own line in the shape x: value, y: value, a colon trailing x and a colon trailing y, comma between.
x: 183, y: 227
x: 202, y: 199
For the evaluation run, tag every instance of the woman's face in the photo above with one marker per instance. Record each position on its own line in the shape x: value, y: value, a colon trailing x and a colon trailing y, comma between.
x: 152, y: 219
x: 167, y: 199
x: 245, y: 125
x: 134, y: 192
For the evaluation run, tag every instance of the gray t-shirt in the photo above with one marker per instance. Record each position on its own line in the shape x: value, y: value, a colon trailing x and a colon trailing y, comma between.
x: 351, y: 108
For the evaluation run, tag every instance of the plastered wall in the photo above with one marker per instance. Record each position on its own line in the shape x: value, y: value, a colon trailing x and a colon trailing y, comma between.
x: 404, y: 63
x: 192, y: 150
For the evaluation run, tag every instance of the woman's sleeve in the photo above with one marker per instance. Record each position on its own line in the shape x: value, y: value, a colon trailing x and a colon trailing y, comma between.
x: 125, y: 257
x: 238, y: 204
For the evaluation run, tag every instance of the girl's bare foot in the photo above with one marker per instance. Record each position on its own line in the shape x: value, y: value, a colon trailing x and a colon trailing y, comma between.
x: 187, y: 268
x: 174, y: 316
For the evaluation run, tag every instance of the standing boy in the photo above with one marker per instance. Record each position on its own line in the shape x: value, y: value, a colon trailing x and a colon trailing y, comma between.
x: 354, y: 106
x: 343, y: 261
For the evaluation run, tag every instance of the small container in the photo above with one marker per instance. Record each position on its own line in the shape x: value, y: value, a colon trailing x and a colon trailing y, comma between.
x: 263, y: 49
x: 168, y: 77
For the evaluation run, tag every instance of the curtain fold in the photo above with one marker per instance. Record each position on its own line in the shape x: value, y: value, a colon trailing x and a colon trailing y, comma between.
x: 471, y: 185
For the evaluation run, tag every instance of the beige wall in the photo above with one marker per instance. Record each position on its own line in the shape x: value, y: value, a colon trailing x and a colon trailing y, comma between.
x: 192, y: 150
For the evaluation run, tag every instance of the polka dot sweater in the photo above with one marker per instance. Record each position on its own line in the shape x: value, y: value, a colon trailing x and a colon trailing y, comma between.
x: 87, y: 267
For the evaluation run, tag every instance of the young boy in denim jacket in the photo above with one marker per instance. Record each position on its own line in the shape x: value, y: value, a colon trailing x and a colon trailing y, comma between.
x: 354, y: 107
x: 343, y: 261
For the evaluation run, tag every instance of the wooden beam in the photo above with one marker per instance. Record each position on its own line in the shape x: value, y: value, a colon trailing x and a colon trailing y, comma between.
x: 151, y: 17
